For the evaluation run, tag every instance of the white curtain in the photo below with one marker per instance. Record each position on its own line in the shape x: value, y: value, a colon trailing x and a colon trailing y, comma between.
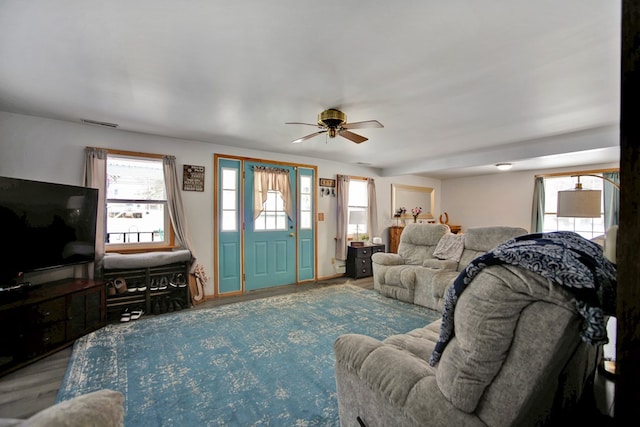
x: 176, y: 208
x: 342, y: 220
x: 95, y: 176
x: 372, y: 212
x: 276, y: 179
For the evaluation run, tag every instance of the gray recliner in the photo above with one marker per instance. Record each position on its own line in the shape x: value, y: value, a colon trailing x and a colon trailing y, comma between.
x: 517, y: 359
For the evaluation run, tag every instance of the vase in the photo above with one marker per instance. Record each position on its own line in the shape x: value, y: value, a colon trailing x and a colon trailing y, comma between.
x: 415, y: 219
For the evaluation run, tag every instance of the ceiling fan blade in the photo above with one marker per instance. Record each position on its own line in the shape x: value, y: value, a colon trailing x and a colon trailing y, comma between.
x: 311, y: 135
x: 358, y: 139
x: 300, y: 123
x: 361, y: 125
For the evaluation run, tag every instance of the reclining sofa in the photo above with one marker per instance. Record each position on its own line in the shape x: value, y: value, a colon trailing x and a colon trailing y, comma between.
x: 418, y: 276
x: 517, y: 359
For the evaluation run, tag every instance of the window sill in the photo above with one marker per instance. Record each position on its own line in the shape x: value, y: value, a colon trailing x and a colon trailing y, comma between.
x: 140, y: 249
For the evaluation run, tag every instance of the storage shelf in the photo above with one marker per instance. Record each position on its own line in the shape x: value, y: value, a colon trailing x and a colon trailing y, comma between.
x: 150, y: 301
x: 47, y: 317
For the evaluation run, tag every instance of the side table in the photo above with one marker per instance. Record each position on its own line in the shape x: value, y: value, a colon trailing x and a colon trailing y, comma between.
x: 359, y: 260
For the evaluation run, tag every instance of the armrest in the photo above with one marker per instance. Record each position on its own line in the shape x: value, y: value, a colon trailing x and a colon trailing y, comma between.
x: 440, y: 264
x: 385, y: 258
x: 351, y: 350
x: 387, y: 369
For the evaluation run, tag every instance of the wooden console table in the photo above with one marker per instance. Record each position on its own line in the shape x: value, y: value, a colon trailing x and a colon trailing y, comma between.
x: 455, y: 229
x: 394, y: 238
x: 395, y: 231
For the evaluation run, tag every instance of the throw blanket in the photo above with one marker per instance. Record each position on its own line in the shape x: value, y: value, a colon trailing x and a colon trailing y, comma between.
x: 565, y: 258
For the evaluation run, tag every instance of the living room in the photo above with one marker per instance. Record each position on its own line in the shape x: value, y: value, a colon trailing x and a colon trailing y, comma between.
x: 51, y: 148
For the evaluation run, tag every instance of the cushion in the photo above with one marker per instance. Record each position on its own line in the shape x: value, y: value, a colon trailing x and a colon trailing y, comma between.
x: 103, y: 408
x: 440, y: 264
x: 486, y: 316
x: 450, y: 247
x: 144, y: 259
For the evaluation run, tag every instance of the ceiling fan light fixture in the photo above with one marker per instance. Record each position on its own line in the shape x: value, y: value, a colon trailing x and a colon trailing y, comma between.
x: 332, y: 118
x: 504, y: 166
x: 334, y: 122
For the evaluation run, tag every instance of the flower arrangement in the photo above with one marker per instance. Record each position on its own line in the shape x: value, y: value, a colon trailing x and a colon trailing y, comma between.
x: 399, y: 212
x: 415, y: 212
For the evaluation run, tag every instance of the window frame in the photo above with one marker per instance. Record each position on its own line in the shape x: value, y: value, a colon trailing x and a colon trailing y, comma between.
x: 169, y: 241
x: 351, y: 228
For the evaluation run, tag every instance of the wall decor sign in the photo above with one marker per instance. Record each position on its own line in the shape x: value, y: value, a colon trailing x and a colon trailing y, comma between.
x: 324, y: 182
x: 192, y: 178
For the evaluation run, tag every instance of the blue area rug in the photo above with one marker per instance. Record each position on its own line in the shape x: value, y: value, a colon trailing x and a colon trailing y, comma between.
x: 266, y: 362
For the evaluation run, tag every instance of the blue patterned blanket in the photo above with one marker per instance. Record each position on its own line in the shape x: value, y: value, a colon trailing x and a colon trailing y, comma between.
x: 565, y: 258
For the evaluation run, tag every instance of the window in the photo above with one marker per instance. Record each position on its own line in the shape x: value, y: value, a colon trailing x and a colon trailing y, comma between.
x: 358, y: 201
x: 586, y: 227
x: 137, y: 215
x: 273, y: 215
x: 306, y: 204
x: 229, y: 199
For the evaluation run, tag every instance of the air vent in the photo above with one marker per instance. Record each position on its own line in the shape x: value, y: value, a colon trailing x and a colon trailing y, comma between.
x: 97, y: 123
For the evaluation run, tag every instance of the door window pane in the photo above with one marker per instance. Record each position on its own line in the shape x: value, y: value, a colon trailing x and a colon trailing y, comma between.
x: 306, y: 207
x: 229, y: 200
x: 273, y: 217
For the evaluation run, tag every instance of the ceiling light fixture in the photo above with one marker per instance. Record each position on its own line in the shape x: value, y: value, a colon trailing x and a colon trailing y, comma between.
x: 504, y: 166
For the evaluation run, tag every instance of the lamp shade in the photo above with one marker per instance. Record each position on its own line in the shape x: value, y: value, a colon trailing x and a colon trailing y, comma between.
x: 357, y: 217
x: 579, y: 203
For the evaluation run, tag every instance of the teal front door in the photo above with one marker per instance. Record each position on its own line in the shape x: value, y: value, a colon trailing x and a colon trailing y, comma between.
x: 269, y: 233
x: 272, y: 247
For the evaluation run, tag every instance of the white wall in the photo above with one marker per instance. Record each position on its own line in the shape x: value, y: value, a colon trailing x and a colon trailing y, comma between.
x: 503, y: 198
x: 53, y: 150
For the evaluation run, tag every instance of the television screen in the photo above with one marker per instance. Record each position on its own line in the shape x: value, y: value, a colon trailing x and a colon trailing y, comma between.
x: 45, y: 225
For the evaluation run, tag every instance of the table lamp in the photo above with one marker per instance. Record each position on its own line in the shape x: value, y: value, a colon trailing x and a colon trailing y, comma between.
x: 357, y: 218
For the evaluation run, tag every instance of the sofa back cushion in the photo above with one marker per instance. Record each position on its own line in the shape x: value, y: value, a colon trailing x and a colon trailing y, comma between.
x: 514, y: 333
x: 418, y: 241
x: 479, y: 240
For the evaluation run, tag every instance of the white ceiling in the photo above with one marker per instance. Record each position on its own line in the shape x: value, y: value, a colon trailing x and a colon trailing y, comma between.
x: 458, y: 85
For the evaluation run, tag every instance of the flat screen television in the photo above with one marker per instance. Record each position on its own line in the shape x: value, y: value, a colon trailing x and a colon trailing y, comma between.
x: 44, y: 225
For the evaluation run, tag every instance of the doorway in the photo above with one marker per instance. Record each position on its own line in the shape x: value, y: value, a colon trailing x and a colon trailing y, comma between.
x: 264, y: 224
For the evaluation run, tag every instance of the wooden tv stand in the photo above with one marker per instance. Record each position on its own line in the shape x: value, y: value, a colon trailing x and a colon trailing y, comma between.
x: 39, y: 320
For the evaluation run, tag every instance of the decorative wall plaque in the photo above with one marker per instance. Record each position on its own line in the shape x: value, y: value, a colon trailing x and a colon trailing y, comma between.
x: 325, y: 182
x: 192, y: 178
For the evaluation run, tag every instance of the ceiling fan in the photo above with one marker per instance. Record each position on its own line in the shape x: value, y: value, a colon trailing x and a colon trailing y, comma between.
x: 334, y: 122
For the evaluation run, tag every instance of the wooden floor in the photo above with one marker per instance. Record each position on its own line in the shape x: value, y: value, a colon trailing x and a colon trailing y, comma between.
x: 35, y: 387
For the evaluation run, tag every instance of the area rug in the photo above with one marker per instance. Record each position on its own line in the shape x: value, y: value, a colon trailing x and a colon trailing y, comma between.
x: 266, y: 362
